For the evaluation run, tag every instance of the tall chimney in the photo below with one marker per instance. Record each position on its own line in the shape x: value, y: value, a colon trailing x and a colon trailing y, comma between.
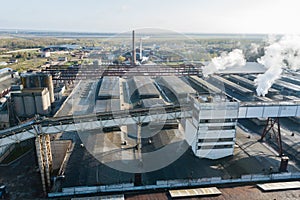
x: 133, y: 50
x: 141, y: 51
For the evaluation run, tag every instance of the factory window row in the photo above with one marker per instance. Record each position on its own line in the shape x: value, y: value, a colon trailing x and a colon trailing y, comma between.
x: 216, y: 147
x: 221, y: 128
x: 216, y: 140
x: 217, y: 120
x: 111, y: 129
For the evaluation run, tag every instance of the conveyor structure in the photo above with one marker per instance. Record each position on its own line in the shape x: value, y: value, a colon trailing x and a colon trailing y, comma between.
x: 117, y: 118
x: 209, y: 128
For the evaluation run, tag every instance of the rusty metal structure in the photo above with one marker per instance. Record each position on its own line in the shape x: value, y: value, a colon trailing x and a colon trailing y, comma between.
x: 96, y: 72
x: 273, y: 124
x: 44, y: 156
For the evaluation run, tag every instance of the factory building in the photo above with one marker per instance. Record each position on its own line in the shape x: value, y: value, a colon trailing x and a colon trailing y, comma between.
x: 287, y: 86
x: 214, y: 125
x: 177, y: 88
x: 45, y: 54
x: 107, y: 105
x: 30, y: 102
x: 58, y: 92
x: 109, y: 88
x: 4, y: 120
x: 38, y: 80
x: 205, y: 86
x: 108, y: 98
x: 143, y: 88
x: 7, y: 82
x: 250, y: 84
x: 152, y: 103
x: 233, y: 86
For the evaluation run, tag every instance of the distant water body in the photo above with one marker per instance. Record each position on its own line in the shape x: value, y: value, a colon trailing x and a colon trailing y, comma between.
x: 58, y: 34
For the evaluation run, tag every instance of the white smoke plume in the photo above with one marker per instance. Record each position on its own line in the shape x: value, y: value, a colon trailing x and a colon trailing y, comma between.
x: 144, y: 59
x: 280, y: 55
x: 254, y: 48
x: 145, y: 38
x: 233, y: 59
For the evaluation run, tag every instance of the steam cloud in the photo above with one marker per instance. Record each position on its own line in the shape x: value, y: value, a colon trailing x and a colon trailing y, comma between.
x: 233, y: 59
x: 282, y: 54
x: 254, y: 48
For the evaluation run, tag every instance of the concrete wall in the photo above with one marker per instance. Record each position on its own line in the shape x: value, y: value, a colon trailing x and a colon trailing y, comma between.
x: 170, y: 184
x: 4, y: 120
x: 5, y: 151
x: 31, y: 102
x: 59, y: 149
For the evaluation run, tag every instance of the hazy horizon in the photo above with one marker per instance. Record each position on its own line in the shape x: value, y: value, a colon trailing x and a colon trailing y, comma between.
x: 191, y: 16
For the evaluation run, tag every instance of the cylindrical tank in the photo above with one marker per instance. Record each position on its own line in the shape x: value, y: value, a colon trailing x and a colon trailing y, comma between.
x: 39, y: 104
x: 43, y: 103
x: 45, y: 108
x: 47, y: 103
x: 35, y: 82
x: 49, y: 85
x: 39, y: 80
x: 23, y: 81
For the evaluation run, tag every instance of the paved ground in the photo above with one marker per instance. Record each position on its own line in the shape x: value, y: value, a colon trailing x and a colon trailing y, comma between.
x: 22, y: 178
x: 80, y: 101
x: 291, y: 144
x: 250, y: 192
x: 250, y: 157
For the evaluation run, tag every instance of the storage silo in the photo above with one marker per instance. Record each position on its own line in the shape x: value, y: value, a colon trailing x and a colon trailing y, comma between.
x: 23, y: 81
x: 38, y: 103
x: 43, y: 106
x: 49, y: 84
x: 18, y: 104
x: 30, y: 109
x: 38, y: 80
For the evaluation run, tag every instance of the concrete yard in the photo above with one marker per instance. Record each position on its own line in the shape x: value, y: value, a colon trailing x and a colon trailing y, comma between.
x: 250, y: 157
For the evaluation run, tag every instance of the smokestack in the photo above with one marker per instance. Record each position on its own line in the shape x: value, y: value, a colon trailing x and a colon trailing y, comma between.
x: 133, y: 50
x: 141, y: 51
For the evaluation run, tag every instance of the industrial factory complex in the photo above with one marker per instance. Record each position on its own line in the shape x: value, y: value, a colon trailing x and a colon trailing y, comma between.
x: 122, y: 129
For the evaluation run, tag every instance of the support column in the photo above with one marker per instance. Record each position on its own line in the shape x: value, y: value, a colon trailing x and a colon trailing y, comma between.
x: 40, y: 159
x: 44, y: 155
x: 138, y: 176
x: 271, y: 126
x: 139, y: 139
x: 47, y: 157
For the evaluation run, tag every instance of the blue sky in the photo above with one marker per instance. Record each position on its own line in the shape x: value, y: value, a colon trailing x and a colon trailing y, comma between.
x: 198, y: 16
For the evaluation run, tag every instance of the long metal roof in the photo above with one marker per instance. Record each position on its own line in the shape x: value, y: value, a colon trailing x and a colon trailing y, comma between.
x: 234, y: 86
x: 249, y: 83
x: 205, y: 85
x: 145, y: 87
x: 177, y: 86
x: 109, y: 88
